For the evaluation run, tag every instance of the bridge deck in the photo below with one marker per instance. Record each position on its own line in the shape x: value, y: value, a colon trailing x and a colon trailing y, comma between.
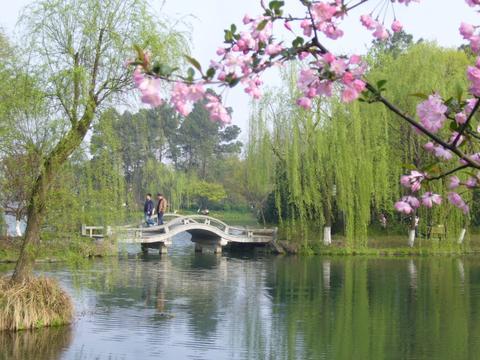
x: 201, y: 227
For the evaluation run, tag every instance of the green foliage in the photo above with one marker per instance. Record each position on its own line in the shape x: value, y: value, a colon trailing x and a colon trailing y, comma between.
x: 340, y: 164
x: 205, y: 192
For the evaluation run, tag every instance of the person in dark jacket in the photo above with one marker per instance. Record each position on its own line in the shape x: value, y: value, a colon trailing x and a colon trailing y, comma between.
x: 148, y: 210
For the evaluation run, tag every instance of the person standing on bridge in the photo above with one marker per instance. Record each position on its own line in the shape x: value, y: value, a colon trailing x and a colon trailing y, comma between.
x: 148, y: 210
x: 161, y: 208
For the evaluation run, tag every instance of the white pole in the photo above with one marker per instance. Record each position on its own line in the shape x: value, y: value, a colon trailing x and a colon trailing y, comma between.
x: 18, y: 230
x: 327, y: 235
x: 462, y: 236
x: 411, y: 237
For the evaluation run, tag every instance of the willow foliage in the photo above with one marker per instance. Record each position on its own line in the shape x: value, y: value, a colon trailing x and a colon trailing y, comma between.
x: 341, y: 163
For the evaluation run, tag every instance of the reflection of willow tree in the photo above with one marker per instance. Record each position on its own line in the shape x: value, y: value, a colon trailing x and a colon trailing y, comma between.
x: 47, y: 343
x: 371, y: 310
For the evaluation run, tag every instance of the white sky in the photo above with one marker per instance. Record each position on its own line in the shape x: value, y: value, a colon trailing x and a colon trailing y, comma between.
x: 436, y: 20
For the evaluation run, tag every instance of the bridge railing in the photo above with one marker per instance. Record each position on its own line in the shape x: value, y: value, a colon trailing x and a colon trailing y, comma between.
x: 175, y: 220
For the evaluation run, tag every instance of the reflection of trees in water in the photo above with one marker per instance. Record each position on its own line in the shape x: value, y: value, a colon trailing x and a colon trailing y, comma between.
x: 374, y: 309
x: 40, y: 344
x: 304, y: 307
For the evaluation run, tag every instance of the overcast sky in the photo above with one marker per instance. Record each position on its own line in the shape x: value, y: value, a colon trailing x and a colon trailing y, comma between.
x: 436, y: 20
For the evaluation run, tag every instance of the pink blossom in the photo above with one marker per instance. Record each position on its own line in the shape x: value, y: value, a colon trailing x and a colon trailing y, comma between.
x: 253, y: 87
x: 442, y: 153
x: 397, y: 26
x: 221, y: 51
x: 217, y: 110
x: 432, y: 113
x: 429, y: 198
x: 413, y: 181
x: 473, y: 3
x: 150, y: 88
x: 329, y: 57
x: 453, y: 137
x: 456, y: 200
x: 466, y: 30
x: 429, y: 147
x: 454, y: 182
x: 473, y: 74
x: 333, y: 32
x: 412, y: 200
x: 475, y: 43
x: 471, y: 182
x: 305, y: 103
x: 273, y: 49
x: 323, y: 12
x: 403, y: 207
x: 460, y: 118
x: 368, y: 22
x: 338, y: 66
x: 287, y: 25
x: 381, y: 33
x: 306, y: 79
x: 303, y: 55
x: 349, y: 94
x: 307, y: 27
x: 184, y: 96
x: 325, y: 88
x: 355, y: 59
x: 247, y: 19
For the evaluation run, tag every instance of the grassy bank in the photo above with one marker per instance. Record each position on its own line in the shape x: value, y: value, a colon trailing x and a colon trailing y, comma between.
x: 384, y: 245
x: 71, y: 250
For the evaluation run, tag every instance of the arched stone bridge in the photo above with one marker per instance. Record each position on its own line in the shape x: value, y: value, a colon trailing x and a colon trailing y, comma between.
x: 207, y: 233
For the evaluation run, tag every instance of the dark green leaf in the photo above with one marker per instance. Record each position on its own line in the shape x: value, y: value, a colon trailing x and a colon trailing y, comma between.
x: 194, y: 62
x: 262, y: 25
x: 210, y: 73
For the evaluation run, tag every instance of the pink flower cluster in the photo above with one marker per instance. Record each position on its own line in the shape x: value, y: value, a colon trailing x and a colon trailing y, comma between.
x: 149, y: 88
x: 183, y: 96
x: 432, y: 113
x: 217, y: 110
x: 456, y: 200
x: 473, y: 3
x: 379, y: 30
x: 407, y: 204
x: 438, y: 151
x: 413, y: 182
x: 473, y: 75
x: 469, y: 32
x: 319, y: 80
x: 324, y: 16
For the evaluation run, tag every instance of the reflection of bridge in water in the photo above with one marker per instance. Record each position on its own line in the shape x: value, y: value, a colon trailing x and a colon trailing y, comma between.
x: 208, y: 234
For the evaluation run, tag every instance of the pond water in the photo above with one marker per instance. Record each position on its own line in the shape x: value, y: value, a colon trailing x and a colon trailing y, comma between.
x: 243, y: 306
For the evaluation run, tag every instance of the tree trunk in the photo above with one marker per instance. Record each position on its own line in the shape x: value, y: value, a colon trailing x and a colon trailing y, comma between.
x: 263, y: 216
x: 24, y: 266
x: 36, y: 207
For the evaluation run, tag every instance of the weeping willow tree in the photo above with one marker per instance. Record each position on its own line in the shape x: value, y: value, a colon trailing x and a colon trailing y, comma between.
x: 340, y: 162
x: 259, y: 159
x: 424, y: 68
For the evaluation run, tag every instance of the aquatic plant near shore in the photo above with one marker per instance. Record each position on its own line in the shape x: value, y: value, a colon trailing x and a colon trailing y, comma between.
x: 34, y: 303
